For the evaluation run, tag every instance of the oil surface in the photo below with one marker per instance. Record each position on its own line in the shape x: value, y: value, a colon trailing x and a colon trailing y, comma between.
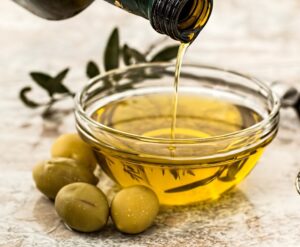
x: 197, y: 117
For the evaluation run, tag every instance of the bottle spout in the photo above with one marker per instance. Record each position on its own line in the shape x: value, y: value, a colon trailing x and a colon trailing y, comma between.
x: 182, y: 20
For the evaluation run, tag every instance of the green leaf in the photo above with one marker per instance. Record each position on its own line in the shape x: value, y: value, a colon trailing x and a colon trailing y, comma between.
x: 50, y: 84
x: 42, y: 80
x: 92, y: 70
x: 112, y: 51
x: 25, y: 100
x: 175, y: 173
x: 232, y: 171
x: 61, y: 75
x: 132, y: 56
x: 166, y: 54
x: 56, y: 83
x: 196, y: 184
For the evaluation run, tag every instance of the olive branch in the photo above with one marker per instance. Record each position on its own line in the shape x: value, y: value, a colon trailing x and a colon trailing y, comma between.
x: 115, y: 56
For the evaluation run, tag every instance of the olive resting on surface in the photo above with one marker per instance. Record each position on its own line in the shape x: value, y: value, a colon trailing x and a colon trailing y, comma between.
x: 134, y: 209
x: 72, y: 146
x: 51, y: 175
x: 83, y: 207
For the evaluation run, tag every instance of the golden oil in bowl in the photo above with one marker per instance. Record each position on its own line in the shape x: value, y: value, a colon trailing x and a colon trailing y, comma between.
x: 220, y: 132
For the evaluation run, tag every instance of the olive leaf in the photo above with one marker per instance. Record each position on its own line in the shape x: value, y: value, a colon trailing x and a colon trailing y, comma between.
x: 134, y: 174
x: 232, y: 171
x: 166, y: 54
x: 51, y: 84
x: 56, y: 83
x: 92, y: 69
x: 42, y: 80
x: 132, y: 56
x: 190, y: 172
x: 112, y: 51
x: 197, y: 183
x: 175, y: 173
x: 25, y: 100
x: 61, y: 76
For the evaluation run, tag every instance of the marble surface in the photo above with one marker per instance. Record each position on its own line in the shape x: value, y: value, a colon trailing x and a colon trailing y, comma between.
x: 261, y: 38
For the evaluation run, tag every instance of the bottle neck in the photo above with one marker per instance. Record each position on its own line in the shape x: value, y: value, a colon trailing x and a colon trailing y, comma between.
x: 180, y: 19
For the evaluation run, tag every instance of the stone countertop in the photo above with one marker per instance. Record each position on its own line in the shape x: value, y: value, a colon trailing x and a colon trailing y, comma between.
x: 261, y: 38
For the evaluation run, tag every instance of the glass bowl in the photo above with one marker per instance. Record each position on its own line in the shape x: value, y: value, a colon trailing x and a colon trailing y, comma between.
x: 225, y: 120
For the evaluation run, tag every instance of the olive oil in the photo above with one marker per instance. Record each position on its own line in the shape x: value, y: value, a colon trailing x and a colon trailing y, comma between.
x: 181, y: 51
x: 198, y: 116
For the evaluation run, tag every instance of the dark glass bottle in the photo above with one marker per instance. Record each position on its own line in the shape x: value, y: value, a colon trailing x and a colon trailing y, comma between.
x: 180, y: 19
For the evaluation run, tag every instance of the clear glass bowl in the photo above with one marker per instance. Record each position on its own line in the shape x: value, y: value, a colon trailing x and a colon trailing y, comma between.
x: 202, y: 167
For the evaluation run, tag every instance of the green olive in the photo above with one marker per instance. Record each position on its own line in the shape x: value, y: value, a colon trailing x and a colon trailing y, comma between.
x: 83, y: 207
x: 134, y: 209
x: 51, y: 175
x: 72, y: 146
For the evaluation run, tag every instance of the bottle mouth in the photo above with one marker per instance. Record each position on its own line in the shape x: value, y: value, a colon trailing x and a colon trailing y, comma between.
x: 182, y: 20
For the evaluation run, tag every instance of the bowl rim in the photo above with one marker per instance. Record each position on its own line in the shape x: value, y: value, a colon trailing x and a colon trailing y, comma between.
x: 271, y: 118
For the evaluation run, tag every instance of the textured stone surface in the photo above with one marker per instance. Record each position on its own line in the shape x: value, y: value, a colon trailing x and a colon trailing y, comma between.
x: 257, y: 37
